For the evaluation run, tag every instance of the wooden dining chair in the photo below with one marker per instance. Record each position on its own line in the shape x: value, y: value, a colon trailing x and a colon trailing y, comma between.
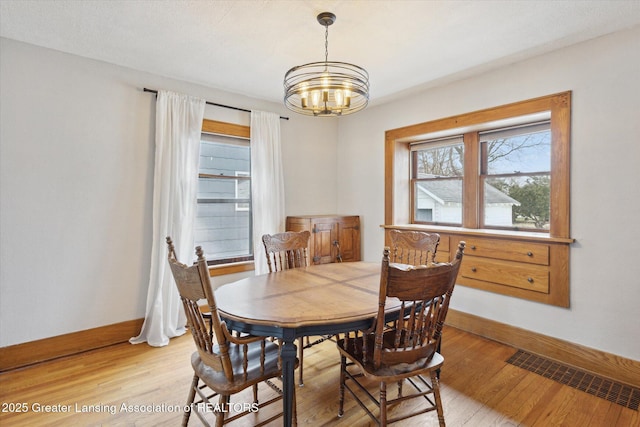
x: 406, y: 352
x: 284, y: 251
x: 413, y: 247
x: 223, y: 364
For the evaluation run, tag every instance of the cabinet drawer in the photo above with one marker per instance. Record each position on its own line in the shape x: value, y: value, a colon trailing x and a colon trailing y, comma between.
x: 443, y: 253
x: 531, y: 253
x: 529, y: 277
x: 443, y: 244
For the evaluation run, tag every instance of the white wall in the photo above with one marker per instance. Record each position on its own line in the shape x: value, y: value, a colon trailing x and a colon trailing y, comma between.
x: 604, y: 75
x: 76, y: 176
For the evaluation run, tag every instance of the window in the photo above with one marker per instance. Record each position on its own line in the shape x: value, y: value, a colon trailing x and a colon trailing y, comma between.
x: 502, y: 168
x: 223, y: 219
x: 437, y: 179
x: 515, y: 177
x: 515, y: 174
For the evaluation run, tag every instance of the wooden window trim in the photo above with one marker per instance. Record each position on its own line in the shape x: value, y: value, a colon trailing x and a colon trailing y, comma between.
x: 240, y: 131
x: 398, y: 196
x: 236, y: 267
x: 397, y: 160
x: 223, y: 128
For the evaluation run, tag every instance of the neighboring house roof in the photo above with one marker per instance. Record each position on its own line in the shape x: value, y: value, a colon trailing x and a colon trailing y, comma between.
x: 450, y: 191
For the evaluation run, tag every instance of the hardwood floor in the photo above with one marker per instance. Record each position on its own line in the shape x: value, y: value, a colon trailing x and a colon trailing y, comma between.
x: 137, y: 385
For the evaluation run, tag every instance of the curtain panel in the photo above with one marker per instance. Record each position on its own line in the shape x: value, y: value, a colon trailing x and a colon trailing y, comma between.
x: 267, y: 182
x: 175, y: 185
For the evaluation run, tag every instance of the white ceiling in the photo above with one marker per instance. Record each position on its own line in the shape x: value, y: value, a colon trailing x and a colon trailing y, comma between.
x: 246, y: 46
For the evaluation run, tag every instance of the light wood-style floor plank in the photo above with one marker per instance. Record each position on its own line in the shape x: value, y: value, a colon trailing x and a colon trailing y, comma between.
x: 138, y: 385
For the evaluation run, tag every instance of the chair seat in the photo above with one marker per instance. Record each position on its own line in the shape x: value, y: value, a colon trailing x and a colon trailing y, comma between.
x: 255, y: 374
x: 353, y: 351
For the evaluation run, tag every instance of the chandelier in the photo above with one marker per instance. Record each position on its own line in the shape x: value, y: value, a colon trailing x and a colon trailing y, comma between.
x: 326, y: 88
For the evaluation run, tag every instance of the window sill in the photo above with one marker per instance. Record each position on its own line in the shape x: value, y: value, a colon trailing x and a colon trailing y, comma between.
x: 504, y: 234
x: 236, y: 267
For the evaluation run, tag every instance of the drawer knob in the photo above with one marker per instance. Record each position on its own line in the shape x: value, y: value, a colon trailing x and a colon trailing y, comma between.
x: 529, y: 253
x: 530, y: 280
x: 473, y: 269
x: 473, y: 247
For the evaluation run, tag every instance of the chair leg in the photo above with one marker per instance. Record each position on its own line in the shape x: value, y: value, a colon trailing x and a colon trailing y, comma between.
x: 439, y: 350
x: 224, y: 403
x: 383, y: 404
x: 190, y: 399
x: 300, y: 354
x: 435, y: 383
x: 343, y: 367
x: 255, y: 393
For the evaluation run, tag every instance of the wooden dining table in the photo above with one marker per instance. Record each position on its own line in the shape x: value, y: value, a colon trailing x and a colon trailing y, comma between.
x: 316, y: 300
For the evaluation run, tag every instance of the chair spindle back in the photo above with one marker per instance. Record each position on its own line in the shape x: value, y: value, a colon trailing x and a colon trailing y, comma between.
x: 413, y: 247
x: 194, y: 285
x: 286, y: 250
x: 424, y: 292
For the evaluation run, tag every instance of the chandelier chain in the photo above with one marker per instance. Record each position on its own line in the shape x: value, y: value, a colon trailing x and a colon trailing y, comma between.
x: 326, y: 43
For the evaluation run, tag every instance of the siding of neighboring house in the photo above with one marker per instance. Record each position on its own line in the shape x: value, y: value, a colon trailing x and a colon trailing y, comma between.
x: 444, y: 199
x: 498, y: 215
x: 451, y: 213
x: 222, y: 228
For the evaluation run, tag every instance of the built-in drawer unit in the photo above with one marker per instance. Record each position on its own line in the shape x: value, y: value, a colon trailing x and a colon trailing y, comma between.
x: 525, y: 266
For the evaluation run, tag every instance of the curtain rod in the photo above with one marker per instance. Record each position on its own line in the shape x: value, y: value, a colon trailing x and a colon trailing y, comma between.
x: 217, y: 105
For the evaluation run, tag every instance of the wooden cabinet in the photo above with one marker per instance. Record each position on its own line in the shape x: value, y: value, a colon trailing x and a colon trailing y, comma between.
x: 333, y: 237
x: 523, y: 266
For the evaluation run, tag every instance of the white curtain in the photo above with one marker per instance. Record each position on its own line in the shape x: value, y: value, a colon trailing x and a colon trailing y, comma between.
x: 267, y: 182
x: 175, y: 185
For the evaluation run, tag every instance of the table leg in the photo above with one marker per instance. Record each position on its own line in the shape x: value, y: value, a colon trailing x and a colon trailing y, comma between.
x: 289, y: 352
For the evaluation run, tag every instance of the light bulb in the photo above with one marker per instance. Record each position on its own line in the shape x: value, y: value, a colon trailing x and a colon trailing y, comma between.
x: 315, y: 98
x: 339, y: 98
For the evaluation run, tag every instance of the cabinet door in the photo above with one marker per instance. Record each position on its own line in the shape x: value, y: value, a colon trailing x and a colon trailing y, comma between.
x: 324, y: 234
x: 349, y: 239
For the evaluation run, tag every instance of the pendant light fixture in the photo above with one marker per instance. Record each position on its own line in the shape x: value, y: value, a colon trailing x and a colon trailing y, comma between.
x: 326, y: 88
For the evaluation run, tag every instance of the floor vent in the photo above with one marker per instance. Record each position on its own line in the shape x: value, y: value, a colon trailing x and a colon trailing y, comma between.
x: 602, y: 387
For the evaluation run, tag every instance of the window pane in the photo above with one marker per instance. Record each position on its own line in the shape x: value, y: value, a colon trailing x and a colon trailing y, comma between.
x: 523, y: 150
x: 515, y: 168
x: 517, y: 202
x: 223, y: 222
x: 437, y: 191
x: 224, y: 156
x: 223, y: 231
x: 438, y: 201
x: 243, y: 191
x: 439, y: 161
